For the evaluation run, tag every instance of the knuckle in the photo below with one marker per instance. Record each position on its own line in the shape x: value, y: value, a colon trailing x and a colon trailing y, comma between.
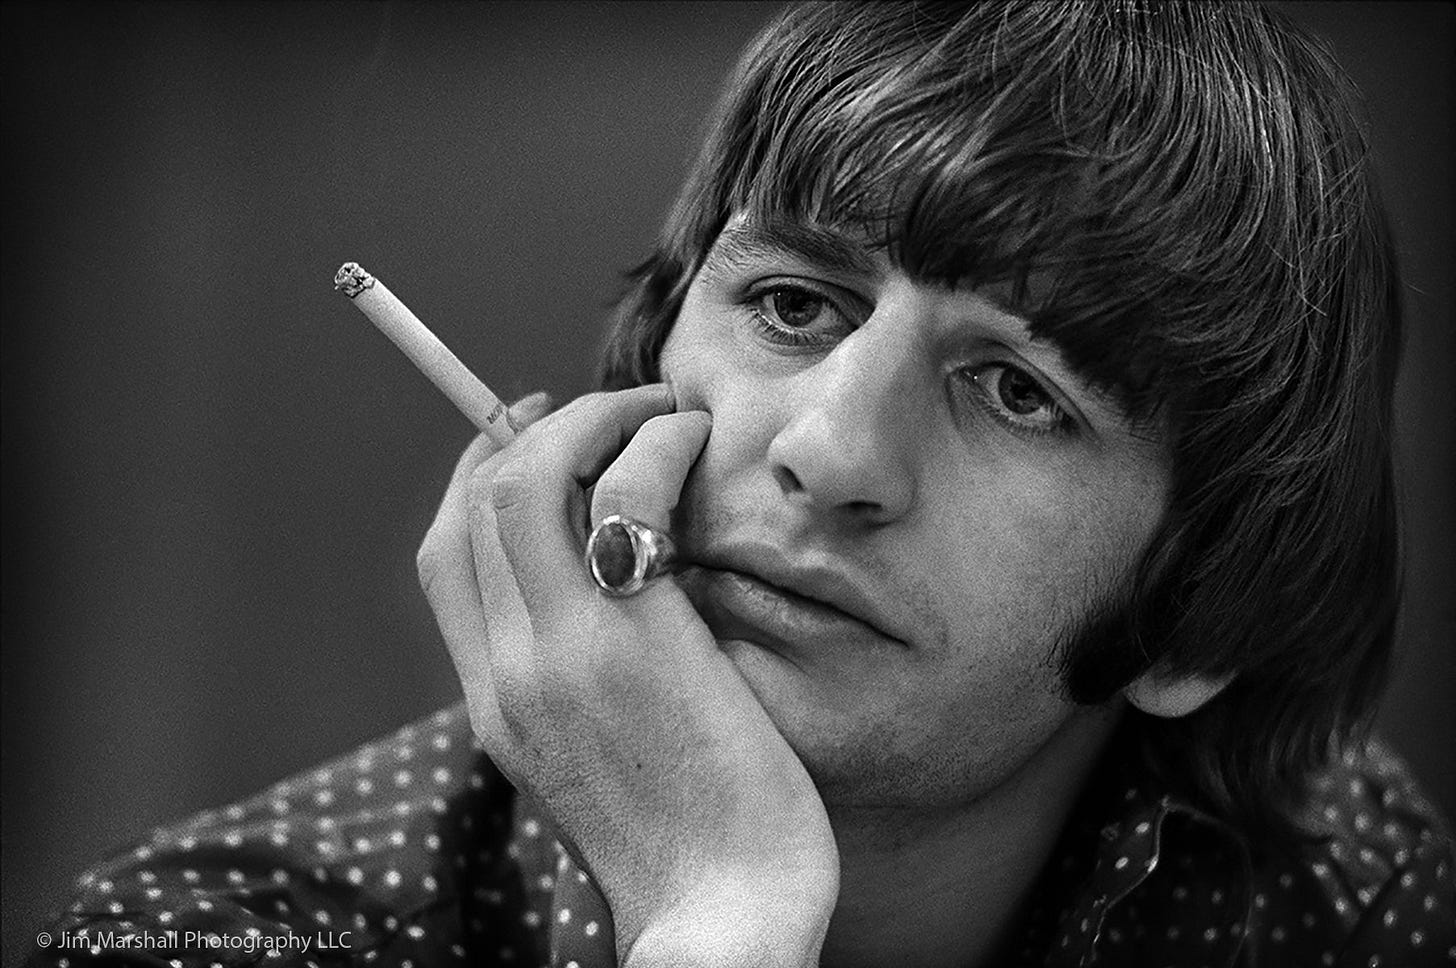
x: 427, y: 565
x: 612, y: 495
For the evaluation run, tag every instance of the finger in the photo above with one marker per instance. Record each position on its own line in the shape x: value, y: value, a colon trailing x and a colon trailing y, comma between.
x: 537, y: 501
x: 646, y: 480
x: 529, y: 409
x: 448, y: 538
x: 448, y: 574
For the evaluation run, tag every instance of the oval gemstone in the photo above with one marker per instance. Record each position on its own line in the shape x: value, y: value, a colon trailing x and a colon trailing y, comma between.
x: 615, y: 560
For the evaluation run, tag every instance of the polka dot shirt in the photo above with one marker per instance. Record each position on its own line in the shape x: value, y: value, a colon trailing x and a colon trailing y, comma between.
x: 414, y: 852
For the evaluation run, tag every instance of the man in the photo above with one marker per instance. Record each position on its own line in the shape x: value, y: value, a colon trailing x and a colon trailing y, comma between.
x: 1015, y: 382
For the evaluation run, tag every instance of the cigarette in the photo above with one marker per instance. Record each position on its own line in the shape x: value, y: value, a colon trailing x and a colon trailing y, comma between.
x: 425, y: 350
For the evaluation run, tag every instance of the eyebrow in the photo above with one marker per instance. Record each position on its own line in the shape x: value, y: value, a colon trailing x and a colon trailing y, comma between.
x: 825, y: 247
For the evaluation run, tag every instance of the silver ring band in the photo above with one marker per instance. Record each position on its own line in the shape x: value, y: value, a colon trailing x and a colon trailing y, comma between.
x: 623, y: 555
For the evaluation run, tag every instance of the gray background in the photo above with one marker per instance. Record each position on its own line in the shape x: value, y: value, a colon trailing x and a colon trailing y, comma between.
x: 216, y: 473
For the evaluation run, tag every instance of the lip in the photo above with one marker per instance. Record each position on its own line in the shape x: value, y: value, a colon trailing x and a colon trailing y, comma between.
x: 758, y: 592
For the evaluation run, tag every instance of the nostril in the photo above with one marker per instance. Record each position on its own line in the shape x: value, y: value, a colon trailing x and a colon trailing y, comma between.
x: 787, y: 480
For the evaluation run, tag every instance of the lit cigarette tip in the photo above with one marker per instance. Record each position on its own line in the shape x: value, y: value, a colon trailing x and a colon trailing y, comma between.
x: 351, y: 279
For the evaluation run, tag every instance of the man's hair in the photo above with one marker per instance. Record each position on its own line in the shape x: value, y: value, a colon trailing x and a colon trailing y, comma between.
x: 1184, y: 197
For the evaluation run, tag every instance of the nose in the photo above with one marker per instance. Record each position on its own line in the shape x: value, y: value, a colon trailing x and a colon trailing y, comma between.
x: 848, y: 445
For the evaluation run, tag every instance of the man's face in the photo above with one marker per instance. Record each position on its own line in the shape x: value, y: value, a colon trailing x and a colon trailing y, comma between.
x: 904, y: 507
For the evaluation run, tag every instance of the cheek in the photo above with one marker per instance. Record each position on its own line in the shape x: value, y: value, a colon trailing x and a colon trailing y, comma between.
x: 1038, y: 552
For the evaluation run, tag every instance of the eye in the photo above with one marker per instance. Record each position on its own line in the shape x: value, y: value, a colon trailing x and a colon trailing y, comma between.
x: 796, y: 315
x: 1014, y: 397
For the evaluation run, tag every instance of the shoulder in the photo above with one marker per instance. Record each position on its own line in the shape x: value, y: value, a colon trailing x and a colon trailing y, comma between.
x: 1378, y: 883
x: 376, y: 850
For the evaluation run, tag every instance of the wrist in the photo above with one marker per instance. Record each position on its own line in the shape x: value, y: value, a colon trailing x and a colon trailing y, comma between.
x: 742, y: 928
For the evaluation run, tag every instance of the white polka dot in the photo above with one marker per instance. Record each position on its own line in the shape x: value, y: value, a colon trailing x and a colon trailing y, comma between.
x: 441, y: 775
x: 365, y: 786
x: 563, y: 916
x: 429, y: 883
x: 403, y: 778
x: 432, y: 842
x: 322, y: 916
x: 142, y: 853
x: 234, y: 812
x: 324, y: 797
x: 415, y: 931
x: 1418, y: 938
x: 1121, y: 863
x: 1278, y: 933
x: 1389, y: 919
x: 165, y: 917
x: 204, y: 905
x: 392, y: 878
x: 235, y: 876
x: 154, y: 893
x: 362, y: 845
x: 531, y: 919
x: 441, y: 741
x: 354, y: 875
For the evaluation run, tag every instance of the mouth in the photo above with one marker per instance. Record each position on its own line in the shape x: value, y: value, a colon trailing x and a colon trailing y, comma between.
x: 758, y: 594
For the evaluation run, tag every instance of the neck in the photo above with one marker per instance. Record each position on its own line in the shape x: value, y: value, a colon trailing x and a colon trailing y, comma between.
x: 944, y: 887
